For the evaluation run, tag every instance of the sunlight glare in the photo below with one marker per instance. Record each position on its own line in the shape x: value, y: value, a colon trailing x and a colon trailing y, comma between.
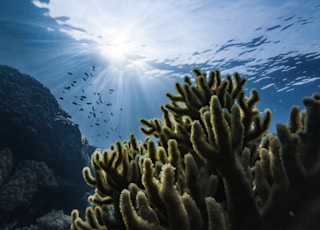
x: 115, y: 53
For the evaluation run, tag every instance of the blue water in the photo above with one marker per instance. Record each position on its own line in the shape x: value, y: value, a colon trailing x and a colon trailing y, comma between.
x: 123, y: 56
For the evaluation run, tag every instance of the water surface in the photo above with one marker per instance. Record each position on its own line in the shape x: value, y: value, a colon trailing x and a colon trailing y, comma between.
x: 111, y: 62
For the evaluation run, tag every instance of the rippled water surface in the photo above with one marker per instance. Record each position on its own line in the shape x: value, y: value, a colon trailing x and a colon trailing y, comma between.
x: 123, y: 56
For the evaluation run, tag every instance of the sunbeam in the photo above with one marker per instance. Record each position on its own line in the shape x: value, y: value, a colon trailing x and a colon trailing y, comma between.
x: 109, y: 63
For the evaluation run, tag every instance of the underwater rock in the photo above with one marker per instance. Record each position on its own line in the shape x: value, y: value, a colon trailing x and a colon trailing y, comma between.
x: 22, y: 194
x: 33, y: 128
x: 54, y: 220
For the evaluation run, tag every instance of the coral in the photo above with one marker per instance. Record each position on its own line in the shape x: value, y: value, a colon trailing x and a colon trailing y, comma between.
x: 288, y: 172
x: 214, y: 165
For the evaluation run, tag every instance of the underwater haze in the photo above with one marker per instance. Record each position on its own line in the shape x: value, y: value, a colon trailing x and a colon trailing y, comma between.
x: 110, y: 63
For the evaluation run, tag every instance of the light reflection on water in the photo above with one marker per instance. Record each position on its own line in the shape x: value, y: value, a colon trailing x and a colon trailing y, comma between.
x: 139, y: 48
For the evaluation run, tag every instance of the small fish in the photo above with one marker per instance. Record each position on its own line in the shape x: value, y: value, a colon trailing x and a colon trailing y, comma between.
x: 61, y: 98
x: 97, y: 124
x: 108, y: 104
x: 111, y: 114
x: 70, y: 73
x: 85, y: 79
x: 89, y: 103
x: 85, y: 73
x: 75, y: 103
x: 67, y: 87
x: 81, y: 109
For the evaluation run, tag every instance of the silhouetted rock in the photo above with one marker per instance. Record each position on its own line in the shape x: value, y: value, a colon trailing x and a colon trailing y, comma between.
x: 42, y: 152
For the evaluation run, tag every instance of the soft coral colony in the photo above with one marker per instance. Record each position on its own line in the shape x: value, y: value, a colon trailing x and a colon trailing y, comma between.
x: 213, y: 166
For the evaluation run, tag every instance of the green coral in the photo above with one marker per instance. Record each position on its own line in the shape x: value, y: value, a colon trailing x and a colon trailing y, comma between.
x: 214, y: 165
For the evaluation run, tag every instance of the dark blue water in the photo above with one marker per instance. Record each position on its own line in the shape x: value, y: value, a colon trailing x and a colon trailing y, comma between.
x: 123, y: 57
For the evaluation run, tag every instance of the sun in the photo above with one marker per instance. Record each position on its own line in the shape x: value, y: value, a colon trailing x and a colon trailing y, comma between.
x: 116, y: 49
x: 115, y: 53
x: 120, y: 51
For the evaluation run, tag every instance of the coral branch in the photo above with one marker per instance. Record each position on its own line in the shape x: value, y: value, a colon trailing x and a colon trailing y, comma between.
x: 214, y: 165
